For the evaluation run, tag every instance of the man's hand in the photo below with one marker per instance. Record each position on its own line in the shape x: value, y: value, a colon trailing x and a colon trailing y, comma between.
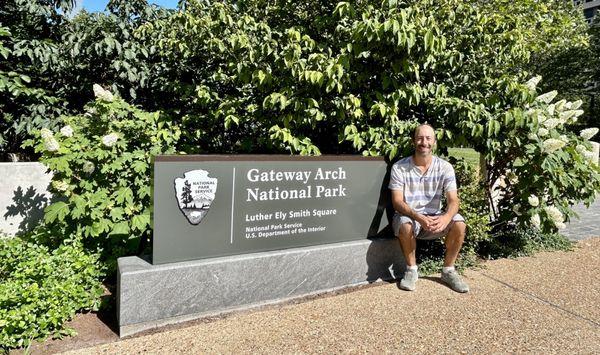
x: 439, y: 223
x: 426, y: 222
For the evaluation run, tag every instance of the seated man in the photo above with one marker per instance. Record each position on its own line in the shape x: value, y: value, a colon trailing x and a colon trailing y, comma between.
x: 417, y: 183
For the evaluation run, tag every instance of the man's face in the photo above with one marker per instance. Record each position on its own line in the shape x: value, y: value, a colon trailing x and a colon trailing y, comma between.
x: 424, y: 141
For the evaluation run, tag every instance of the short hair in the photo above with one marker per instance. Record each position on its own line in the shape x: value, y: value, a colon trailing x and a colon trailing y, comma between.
x: 423, y: 125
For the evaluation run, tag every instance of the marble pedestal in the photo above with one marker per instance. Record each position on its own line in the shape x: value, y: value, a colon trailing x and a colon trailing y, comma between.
x: 150, y: 296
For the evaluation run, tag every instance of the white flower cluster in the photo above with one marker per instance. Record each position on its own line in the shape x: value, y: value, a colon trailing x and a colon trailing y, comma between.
x: 102, y: 94
x: 533, y: 200
x: 551, y: 123
x: 67, y: 131
x: 535, y: 220
x: 50, y: 143
x: 110, y: 139
x: 46, y: 133
x: 88, y: 167
x: 550, y: 145
x: 547, y: 97
x: 556, y: 216
x: 60, y: 185
x: 588, y: 133
x: 533, y: 82
x: 542, y: 132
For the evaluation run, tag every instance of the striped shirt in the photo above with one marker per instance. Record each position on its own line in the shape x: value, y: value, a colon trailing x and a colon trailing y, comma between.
x: 423, y: 192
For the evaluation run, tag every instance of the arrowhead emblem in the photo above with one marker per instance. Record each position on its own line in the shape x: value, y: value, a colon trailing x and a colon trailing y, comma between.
x: 195, y: 193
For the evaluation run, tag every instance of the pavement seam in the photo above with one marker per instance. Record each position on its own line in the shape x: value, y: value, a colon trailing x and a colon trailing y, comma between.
x: 531, y: 295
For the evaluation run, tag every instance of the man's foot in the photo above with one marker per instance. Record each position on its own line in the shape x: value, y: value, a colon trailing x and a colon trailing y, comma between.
x: 409, y: 280
x: 453, y: 280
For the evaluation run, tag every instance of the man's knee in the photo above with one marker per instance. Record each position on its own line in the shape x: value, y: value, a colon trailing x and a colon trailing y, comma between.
x: 458, y: 227
x: 405, y: 230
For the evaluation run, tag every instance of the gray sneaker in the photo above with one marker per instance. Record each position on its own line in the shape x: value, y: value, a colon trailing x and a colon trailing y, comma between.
x: 454, y: 281
x: 409, y: 280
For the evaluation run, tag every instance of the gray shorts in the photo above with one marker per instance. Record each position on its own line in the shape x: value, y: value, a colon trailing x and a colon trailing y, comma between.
x: 421, y: 233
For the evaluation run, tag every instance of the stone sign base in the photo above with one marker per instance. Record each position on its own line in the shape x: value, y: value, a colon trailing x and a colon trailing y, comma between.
x: 150, y: 296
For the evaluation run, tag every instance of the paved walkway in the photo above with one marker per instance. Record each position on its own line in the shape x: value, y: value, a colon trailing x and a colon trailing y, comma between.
x: 588, y: 225
x: 542, y: 304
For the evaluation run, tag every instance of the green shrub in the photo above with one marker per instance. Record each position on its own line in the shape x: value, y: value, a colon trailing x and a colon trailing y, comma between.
x: 40, y: 289
x: 515, y: 241
x: 101, y: 162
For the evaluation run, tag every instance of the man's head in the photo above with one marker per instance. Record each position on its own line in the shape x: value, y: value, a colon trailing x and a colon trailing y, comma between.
x: 424, y: 140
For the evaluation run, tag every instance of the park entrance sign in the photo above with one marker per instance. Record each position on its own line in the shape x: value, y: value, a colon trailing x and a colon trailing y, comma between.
x: 211, y: 206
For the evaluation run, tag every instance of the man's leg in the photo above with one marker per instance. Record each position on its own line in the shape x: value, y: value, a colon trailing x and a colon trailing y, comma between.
x: 454, y: 241
x: 408, y: 244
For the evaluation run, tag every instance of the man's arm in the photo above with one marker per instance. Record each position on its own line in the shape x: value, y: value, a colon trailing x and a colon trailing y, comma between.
x: 452, y: 206
x: 404, y: 209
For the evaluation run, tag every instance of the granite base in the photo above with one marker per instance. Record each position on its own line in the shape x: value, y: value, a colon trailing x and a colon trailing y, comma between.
x: 150, y: 296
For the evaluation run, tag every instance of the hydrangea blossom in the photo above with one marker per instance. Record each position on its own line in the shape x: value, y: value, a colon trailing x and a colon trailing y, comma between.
x: 533, y: 82
x: 532, y: 136
x: 576, y: 104
x: 565, y: 116
x: 555, y: 215
x: 88, y: 167
x: 102, y: 94
x: 51, y: 144
x: 535, y: 221
x: 110, y: 139
x: 542, y: 132
x: 564, y: 138
x: 561, y: 225
x: 550, y: 145
x: 550, y: 109
x: 60, y: 185
x: 551, y: 123
x: 66, y: 131
x: 588, y: 133
x: 45, y: 133
x: 533, y: 200
x: 589, y: 155
x: 560, y: 105
x: 547, y: 97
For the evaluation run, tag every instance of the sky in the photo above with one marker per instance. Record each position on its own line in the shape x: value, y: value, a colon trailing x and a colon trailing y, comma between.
x: 100, y: 5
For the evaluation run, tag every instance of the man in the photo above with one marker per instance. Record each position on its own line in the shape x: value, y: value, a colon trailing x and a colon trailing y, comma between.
x: 417, y: 183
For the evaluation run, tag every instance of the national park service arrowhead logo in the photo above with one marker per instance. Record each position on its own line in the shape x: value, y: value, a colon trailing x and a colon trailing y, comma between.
x: 195, y: 193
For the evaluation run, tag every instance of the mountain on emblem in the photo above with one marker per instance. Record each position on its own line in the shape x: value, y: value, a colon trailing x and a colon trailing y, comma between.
x: 195, y: 193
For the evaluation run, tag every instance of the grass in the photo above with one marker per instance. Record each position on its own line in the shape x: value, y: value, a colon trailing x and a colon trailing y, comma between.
x: 469, y: 154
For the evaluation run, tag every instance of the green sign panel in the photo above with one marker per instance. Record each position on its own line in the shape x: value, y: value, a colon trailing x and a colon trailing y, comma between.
x: 210, y: 206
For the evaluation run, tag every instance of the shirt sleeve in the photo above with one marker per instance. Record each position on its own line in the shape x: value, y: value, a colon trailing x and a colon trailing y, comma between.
x: 449, y: 179
x: 396, y: 179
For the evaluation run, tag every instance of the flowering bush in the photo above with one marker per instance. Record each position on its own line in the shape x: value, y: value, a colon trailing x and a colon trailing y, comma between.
x: 101, y: 162
x: 542, y: 167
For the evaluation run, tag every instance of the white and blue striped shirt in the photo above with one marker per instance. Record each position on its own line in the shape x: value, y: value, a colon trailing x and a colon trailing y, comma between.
x: 423, y: 192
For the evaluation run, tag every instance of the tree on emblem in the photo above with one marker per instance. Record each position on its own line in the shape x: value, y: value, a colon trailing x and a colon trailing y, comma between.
x: 186, y: 195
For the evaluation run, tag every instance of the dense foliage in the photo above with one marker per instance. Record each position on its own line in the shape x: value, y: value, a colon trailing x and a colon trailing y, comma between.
x: 41, y: 288
x: 29, y: 33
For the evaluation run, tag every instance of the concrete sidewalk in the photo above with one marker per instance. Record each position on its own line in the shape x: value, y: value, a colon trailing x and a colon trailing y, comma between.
x: 542, y: 304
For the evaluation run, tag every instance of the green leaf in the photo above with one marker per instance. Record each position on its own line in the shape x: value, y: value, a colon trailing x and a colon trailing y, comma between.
x: 123, y: 194
x: 56, y: 211
x: 140, y: 222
